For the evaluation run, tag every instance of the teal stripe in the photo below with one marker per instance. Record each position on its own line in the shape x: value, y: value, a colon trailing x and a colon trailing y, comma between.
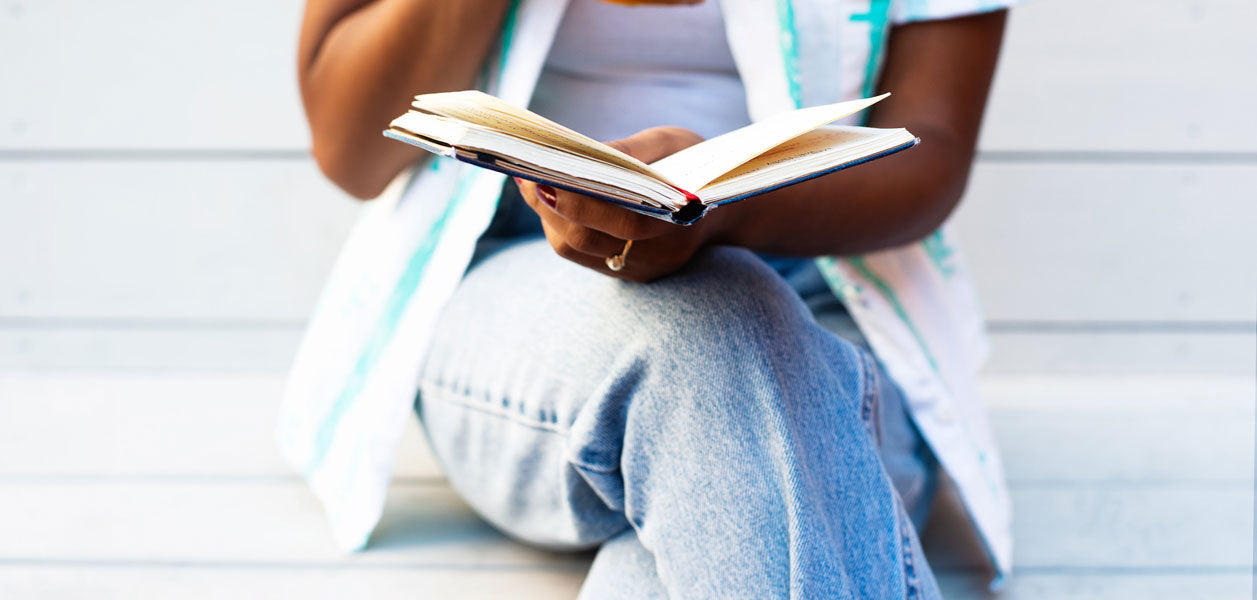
x: 878, y: 17
x: 788, y: 35
x: 885, y: 289
x: 386, y: 325
x: 508, y: 36
x: 404, y: 289
x: 838, y: 284
x: 939, y: 252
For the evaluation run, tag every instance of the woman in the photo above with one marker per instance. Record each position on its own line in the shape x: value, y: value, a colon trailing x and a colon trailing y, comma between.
x: 754, y: 406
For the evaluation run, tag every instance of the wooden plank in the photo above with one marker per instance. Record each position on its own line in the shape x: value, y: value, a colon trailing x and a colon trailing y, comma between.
x: 264, y: 523
x: 229, y: 240
x: 1126, y: 75
x: 146, y: 427
x: 1178, y: 528
x: 1161, y: 528
x: 272, y: 523
x: 150, y: 74
x: 1052, y: 430
x: 1223, y: 397
x: 1113, y: 242
x: 252, y: 241
x: 1146, y: 75
x: 1133, y: 430
x: 1082, y: 531
x: 1118, y: 586
x: 134, y: 445
x: 145, y: 349
x: 1106, y: 353
x: 192, y: 583
x: 148, y: 347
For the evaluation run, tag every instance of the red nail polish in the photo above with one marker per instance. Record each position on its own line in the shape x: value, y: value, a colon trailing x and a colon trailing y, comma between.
x: 547, y: 194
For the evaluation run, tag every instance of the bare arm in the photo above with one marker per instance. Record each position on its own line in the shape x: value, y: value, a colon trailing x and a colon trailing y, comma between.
x: 360, y: 61
x: 940, y: 73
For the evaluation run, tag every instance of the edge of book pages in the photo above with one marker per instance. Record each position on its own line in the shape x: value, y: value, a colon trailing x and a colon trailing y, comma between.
x: 685, y: 216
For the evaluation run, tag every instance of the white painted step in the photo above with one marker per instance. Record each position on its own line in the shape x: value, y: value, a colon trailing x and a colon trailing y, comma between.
x: 167, y: 485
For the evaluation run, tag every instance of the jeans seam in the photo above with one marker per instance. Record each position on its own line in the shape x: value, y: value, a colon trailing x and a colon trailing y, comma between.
x: 868, y: 401
x: 474, y: 403
x: 586, y: 466
x: 912, y: 583
x: 573, y: 454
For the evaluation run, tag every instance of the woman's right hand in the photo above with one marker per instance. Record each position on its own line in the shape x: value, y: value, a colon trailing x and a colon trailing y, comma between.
x: 587, y: 231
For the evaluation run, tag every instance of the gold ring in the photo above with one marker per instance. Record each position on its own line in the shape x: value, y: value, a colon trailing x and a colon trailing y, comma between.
x: 615, y: 263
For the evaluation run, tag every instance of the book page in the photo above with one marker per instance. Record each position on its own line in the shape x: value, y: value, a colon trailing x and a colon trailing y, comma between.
x: 482, y: 109
x: 696, y: 166
x: 822, y: 140
x: 484, y: 146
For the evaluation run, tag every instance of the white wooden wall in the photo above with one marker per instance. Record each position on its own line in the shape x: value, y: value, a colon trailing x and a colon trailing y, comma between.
x: 158, y: 208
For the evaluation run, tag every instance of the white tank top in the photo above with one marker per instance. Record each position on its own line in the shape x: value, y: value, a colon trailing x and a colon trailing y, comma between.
x: 614, y: 70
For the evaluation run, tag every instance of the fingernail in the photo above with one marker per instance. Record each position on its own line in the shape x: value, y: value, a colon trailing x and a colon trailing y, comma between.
x: 547, y: 195
x: 518, y: 181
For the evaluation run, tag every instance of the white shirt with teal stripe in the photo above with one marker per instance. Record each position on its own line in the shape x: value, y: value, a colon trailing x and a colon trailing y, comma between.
x: 353, y: 383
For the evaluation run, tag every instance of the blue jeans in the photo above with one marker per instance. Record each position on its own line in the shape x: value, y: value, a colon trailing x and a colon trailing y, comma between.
x: 704, y: 430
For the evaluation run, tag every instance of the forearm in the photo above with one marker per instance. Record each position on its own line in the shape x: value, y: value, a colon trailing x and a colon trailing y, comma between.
x: 360, y: 61
x: 883, y: 204
x: 940, y: 73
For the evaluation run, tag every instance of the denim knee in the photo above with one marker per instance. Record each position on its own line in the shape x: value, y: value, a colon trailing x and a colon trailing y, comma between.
x: 723, y: 342
x: 725, y: 295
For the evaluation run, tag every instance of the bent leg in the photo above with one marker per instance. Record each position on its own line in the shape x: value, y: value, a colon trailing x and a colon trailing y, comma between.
x: 707, y: 410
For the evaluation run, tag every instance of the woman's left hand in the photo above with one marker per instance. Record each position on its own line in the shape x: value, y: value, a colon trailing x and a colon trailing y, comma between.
x: 587, y: 231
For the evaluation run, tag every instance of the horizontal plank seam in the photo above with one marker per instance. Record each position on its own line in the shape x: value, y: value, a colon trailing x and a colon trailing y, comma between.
x: 994, y: 325
x: 1133, y: 326
x: 573, y: 564
x: 186, y: 479
x: 1111, y: 484
x: 191, y: 324
x: 578, y: 564
x: 155, y: 154
x: 1116, y: 156
x: 1108, y: 570
x: 290, y: 154
x: 437, y: 481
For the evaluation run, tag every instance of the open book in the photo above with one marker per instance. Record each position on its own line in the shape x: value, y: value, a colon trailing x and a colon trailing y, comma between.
x: 782, y: 150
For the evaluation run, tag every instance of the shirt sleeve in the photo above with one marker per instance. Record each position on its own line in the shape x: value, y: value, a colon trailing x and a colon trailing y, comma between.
x: 908, y: 11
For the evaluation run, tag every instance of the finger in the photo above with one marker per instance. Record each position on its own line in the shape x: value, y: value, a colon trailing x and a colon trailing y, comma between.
x: 527, y: 190
x: 576, y: 238
x: 538, y: 197
x: 636, y: 271
x: 612, y: 220
x: 615, y: 221
x: 592, y: 242
x: 555, y: 236
x: 644, y: 263
x: 650, y: 145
